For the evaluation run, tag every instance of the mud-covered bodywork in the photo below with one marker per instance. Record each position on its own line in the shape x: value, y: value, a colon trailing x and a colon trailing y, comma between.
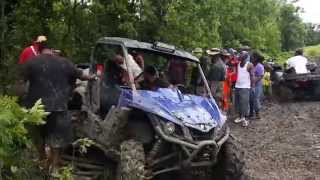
x: 176, y: 130
x: 193, y: 111
x: 288, y: 85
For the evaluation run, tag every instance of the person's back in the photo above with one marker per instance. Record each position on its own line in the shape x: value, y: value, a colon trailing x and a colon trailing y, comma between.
x: 133, y: 65
x: 217, y: 71
x: 299, y: 63
x: 51, y: 78
x: 243, y: 76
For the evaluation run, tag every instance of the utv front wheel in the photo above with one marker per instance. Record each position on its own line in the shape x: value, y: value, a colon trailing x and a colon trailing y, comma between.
x: 230, y: 164
x: 132, y: 160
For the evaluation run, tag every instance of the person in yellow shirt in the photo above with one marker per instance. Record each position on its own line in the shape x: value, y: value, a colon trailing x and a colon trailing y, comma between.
x: 267, y: 83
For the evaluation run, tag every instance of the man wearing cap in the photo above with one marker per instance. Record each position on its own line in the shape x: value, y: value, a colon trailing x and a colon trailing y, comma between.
x: 242, y: 88
x: 197, y: 52
x: 217, y: 74
x: 33, y: 50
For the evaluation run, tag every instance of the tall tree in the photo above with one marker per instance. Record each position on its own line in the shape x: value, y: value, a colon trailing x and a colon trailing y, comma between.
x: 292, y: 28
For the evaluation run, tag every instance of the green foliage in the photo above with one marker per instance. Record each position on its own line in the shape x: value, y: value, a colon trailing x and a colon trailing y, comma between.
x: 293, y: 30
x: 313, y: 34
x: 84, y: 144
x: 13, y: 132
x: 282, y: 57
x: 313, y: 52
x: 65, y: 173
x: 74, y: 26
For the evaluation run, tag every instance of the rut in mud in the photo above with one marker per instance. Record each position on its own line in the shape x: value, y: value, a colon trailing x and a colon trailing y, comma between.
x: 284, y: 143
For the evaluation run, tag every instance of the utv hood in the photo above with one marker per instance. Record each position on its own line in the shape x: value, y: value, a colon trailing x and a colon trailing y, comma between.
x: 193, y: 111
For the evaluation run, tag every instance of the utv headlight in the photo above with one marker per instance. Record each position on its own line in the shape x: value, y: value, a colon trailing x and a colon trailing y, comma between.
x: 169, y: 127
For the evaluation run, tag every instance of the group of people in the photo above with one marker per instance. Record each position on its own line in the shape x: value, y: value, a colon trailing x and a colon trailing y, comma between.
x: 51, y: 78
x: 235, y: 80
x: 47, y: 75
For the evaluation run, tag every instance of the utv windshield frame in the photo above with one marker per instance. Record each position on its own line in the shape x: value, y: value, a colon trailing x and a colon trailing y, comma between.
x: 143, y: 46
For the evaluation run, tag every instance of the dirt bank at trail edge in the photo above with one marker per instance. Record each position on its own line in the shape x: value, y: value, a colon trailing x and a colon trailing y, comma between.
x: 284, y: 144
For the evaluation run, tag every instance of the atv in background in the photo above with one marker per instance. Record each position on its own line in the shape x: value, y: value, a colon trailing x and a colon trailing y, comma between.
x: 141, y: 134
x: 288, y: 86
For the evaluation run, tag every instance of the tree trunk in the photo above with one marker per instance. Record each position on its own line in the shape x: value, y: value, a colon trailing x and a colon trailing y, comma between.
x: 3, y: 29
x: 2, y: 48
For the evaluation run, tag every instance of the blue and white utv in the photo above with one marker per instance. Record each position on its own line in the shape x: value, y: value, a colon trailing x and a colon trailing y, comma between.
x: 167, y: 133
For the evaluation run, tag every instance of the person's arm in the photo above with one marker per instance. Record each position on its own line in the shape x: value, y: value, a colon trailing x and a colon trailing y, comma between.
x: 288, y: 64
x: 260, y: 74
x: 258, y: 78
x: 79, y: 74
x: 87, y: 77
x: 251, y: 72
x: 23, y: 56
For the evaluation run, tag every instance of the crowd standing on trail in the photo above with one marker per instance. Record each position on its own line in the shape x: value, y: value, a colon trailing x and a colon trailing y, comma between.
x: 236, y: 80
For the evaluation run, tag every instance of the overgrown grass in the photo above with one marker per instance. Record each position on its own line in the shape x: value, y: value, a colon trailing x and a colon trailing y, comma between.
x: 282, y: 57
x: 313, y: 52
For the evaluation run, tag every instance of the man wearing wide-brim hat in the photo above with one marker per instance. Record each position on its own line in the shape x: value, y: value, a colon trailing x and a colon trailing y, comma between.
x: 197, y: 52
x: 196, y: 80
x: 213, y: 51
x: 217, y: 74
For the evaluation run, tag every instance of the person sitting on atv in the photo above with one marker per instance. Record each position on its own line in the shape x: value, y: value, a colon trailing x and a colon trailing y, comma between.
x: 298, y: 63
x: 151, y: 80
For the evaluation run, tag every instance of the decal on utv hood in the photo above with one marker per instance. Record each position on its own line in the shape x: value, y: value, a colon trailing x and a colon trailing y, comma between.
x: 193, y: 111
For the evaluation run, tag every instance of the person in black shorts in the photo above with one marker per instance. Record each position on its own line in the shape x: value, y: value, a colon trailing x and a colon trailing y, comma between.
x: 51, y: 78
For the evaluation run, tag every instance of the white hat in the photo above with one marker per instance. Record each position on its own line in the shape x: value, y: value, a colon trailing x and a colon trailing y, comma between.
x: 197, y: 50
x: 41, y: 39
x: 213, y: 51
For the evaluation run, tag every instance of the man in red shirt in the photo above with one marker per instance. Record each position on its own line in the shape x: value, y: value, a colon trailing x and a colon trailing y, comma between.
x: 33, y: 50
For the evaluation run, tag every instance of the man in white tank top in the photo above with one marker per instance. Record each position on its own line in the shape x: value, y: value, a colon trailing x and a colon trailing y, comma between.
x: 242, y: 88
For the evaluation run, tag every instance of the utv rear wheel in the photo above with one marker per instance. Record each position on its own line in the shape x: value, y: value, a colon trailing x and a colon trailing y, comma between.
x: 231, y: 163
x: 132, y: 160
x: 316, y: 90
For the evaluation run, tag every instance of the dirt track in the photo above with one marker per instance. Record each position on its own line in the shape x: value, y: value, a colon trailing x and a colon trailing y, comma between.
x: 284, y: 144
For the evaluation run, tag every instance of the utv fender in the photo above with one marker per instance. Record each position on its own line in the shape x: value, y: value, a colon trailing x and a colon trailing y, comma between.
x: 109, y: 132
x: 139, y: 127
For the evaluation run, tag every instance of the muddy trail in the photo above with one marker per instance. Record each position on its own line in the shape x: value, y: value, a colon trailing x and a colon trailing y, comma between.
x: 284, y: 143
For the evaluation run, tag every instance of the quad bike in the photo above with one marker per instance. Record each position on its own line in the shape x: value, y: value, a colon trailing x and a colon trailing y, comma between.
x: 288, y: 86
x: 142, y: 134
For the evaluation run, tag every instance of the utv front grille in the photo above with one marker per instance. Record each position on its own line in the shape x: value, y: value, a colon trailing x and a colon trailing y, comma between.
x: 201, y: 136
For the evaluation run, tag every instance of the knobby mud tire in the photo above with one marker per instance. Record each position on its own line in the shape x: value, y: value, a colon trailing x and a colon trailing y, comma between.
x: 316, y: 90
x: 231, y: 164
x: 132, y: 161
